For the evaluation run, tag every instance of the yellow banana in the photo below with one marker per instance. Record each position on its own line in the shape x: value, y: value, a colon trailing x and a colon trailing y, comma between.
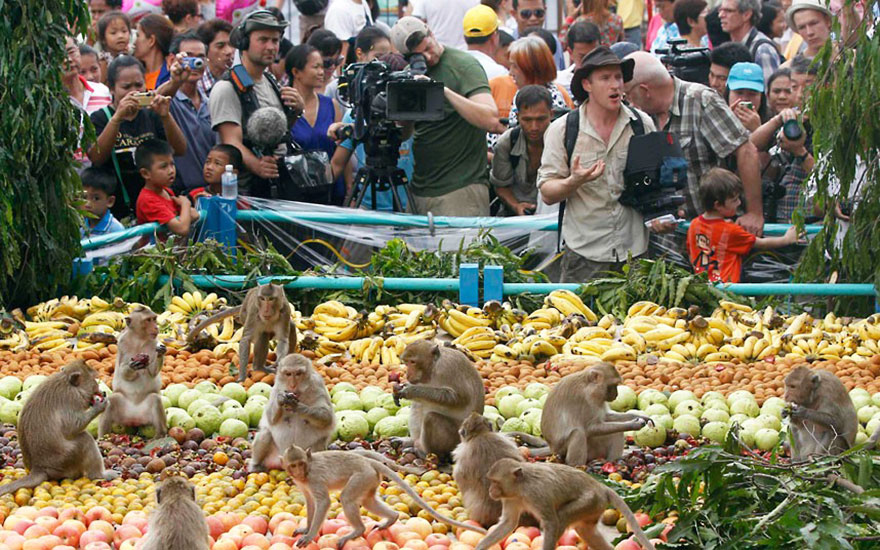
x: 620, y: 352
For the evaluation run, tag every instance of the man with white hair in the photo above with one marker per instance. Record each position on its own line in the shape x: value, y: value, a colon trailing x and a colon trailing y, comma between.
x: 707, y: 130
x: 739, y: 18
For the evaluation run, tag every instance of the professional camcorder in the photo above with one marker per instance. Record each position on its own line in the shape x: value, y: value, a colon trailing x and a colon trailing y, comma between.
x: 690, y: 64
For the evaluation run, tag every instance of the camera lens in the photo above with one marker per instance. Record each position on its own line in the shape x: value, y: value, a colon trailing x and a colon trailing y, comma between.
x: 193, y: 62
x: 792, y: 130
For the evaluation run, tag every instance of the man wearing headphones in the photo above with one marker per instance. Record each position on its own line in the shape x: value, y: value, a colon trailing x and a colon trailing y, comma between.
x: 247, y: 87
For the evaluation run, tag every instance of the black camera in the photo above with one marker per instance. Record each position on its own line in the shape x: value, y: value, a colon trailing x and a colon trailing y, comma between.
x: 690, y: 64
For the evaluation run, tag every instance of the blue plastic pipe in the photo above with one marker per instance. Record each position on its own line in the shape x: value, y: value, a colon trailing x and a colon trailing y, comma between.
x: 743, y: 289
x: 235, y: 282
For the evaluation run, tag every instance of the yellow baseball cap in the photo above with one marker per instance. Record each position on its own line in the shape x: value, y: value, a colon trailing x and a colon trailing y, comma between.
x: 480, y: 21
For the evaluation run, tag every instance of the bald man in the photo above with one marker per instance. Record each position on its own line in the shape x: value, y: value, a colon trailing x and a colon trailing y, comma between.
x: 707, y: 129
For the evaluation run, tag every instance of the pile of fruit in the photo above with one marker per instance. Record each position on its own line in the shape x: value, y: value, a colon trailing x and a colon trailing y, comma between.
x: 564, y: 329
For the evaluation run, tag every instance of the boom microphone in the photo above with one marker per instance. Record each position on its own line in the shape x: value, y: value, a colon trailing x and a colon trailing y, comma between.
x: 266, y: 128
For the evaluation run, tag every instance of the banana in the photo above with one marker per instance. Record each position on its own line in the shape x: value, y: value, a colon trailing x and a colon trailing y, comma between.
x: 98, y: 304
x: 733, y: 306
x: 706, y: 349
x: 482, y: 344
x: 717, y: 357
x: 542, y: 348
x: 409, y: 308
x: 642, y: 325
x: 589, y: 333
x: 333, y: 308
x: 210, y: 301
x: 505, y: 351
x: 342, y: 334
x: 635, y: 340
x: 228, y: 329
x: 570, y: 303
x: 620, y: 352
x: 182, y: 304
x: 665, y: 334
x: 796, y: 324
x: 468, y: 320
x: 675, y: 356
x: 642, y: 308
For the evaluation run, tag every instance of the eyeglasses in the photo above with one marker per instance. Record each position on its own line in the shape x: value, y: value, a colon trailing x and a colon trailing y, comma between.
x: 527, y: 14
x: 332, y: 61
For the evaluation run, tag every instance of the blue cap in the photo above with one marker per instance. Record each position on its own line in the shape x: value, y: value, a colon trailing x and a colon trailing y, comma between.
x: 746, y: 76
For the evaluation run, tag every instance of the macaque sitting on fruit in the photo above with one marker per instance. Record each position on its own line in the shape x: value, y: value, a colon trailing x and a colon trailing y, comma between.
x: 52, y: 429
x: 135, y: 399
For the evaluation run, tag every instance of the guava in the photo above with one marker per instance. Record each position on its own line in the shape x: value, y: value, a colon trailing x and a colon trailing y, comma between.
x: 342, y: 387
x: 747, y: 407
x: 260, y: 388
x: 33, y: 381
x: 687, y: 424
x: 505, y: 391
x: 664, y: 421
x: 233, y: 427
x: 766, y: 439
x: 392, y: 426
x: 10, y: 411
x: 255, y: 413
x: 9, y: 387
x: 527, y: 404
x: 656, y: 409
x: 626, y: 399
x: 352, y: 426
x: 238, y: 413
x: 376, y: 414
x: 680, y: 396
x: 716, y: 431
x: 508, y: 403
x: 535, y: 390
x: 235, y: 391
x: 208, y: 419
x: 186, y: 398
x: 715, y: 415
x: 650, y: 436
x: 347, y: 401
x: 691, y: 407
x: 649, y: 397
x: 173, y: 392
x: 515, y: 425
x: 206, y: 387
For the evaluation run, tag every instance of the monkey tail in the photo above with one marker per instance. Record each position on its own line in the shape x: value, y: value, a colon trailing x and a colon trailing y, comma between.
x: 211, y: 320
x: 621, y: 505
x: 390, y: 474
x: 390, y: 463
x: 27, y: 482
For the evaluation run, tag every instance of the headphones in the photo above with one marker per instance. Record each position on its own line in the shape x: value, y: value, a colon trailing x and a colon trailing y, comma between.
x: 240, y: 38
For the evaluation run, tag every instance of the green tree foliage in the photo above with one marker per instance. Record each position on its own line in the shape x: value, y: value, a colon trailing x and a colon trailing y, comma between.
x: 844, y: 110
x: 39, y: 128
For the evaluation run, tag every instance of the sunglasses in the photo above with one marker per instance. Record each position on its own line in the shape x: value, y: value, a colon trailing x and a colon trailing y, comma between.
x: 332, y: 61
x: 527, y: 14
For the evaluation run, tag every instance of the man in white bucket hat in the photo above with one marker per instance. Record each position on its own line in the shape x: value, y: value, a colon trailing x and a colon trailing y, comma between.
x: 812, y: 20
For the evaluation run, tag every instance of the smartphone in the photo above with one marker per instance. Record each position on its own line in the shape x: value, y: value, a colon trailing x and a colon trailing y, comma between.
x: 144, y: 98
x: 748, y: 105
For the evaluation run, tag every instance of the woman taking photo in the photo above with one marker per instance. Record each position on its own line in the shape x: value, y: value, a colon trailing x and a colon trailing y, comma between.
x: 124, y: 125
x: 745, y: 95
x: 305, y: 67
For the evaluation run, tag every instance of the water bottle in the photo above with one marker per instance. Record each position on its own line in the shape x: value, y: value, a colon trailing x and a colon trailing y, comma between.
x: 229, y: 183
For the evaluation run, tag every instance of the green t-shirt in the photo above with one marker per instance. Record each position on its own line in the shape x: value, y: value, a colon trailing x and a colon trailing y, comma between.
x: 451, y: 154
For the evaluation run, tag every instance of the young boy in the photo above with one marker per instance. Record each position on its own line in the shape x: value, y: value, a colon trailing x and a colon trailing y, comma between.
x: 215, y: 164
x: 156, y: 202
x: 99, y: 188
x: 716, y: 245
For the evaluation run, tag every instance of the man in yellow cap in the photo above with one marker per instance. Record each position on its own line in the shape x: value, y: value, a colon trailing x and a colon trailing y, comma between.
x: 481, y: 36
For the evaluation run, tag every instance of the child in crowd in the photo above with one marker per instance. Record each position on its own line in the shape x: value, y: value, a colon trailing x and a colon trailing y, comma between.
x: 114, y: 34
x: 89, y: 67
x: 99, y: 188
x: 156, y: 202
x: 215, y: 164
x: 716, y: 245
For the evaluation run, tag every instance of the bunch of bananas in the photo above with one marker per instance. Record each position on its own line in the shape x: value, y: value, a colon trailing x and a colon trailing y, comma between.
x: 569, y: 303
x: 457, y: 319
x: 12, y: 338
x: 190, y: 304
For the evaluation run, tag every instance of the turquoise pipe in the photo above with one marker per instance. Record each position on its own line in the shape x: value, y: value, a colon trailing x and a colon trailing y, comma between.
x: 361, y: 217
x: 235, y: 282
x: 743, y: 289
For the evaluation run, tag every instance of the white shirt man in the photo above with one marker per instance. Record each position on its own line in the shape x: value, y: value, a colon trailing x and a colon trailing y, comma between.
x: 445, y: 18
x: 481, y: 35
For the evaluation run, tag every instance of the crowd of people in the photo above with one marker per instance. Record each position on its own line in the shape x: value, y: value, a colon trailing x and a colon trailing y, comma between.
x: 533, y: 121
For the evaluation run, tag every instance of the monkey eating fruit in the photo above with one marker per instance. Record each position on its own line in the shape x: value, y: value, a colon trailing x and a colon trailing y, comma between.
x: 823, y: 419
x: 52, y: 429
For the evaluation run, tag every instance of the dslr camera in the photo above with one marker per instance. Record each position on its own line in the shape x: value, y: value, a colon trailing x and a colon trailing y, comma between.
x: 690, y: 64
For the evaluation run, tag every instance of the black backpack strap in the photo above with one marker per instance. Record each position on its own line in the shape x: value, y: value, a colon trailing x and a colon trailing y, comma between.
x: 637, y: 124
x: 572, y: 127
x: 753, y: 44
x: 514, y: 137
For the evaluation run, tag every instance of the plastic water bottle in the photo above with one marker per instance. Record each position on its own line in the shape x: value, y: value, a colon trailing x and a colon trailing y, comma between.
x: 229, y: 183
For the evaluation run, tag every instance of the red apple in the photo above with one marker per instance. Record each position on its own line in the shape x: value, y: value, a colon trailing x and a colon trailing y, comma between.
x: 95, y: 535
x: 568, y: 538
x: 331, y: 526
x: 438, y: 547
x: 14, y: 541
x: 29, y: 512
x: 279, y: 546
x: 628, y: 544
x: 286, y: 528
x: 215, y: 526
x: 224, y: 544
x: 385, y: 545
x: 328, y: 541
x: 643, y: 519
x: 98, y: 512
x: 258, y: 524
x: 70, y: 531
x: 436, y: 539
x: 104, y: 527
x: 530, y: 532
x: 47, y: 511
x: 281, y: 539
x: 97, y: 546
x: 35, y: 531
x: 379, y: 535
x: 125, y: 532
x: 278, y: 518
x: 129, y: 544
x: 71, y: 513
x: 256, y: 539
x: 48, y: 522
x: 21, y: 525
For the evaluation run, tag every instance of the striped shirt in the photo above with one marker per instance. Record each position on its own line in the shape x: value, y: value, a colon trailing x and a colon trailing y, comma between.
x: 95, y: 96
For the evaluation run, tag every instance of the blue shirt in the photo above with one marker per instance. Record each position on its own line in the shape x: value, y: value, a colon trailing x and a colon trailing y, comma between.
x: 314, y: 138
x: 107, y: 224
x: 200, y: 138
x: 384, y: 199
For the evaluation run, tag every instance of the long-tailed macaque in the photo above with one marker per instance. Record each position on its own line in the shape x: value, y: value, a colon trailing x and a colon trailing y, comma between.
x: 265, y: 314
x: 559, y: 496
x: 178, y: 522
x: 479, y: 449
x: 823, y: 418
x: 577, y: 422
x: 299, y: 413
x: 52, y: 429
x: 445, y: 388
x: 135, y: 399
x: 358, y: 477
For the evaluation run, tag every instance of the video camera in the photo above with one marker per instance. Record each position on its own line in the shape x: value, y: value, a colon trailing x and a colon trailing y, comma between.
x: 377, y: 95
x: 690, y: 64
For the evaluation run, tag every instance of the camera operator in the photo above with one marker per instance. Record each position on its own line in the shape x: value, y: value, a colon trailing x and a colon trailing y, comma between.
x: 789, y: 141
x: 708, y: 132
x: 450, y: 155
x: 599, y: 231
x: 243, y: 90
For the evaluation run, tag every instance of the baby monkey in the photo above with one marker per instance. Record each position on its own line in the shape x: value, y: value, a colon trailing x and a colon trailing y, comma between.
x: 559, y: 496
x: 358, y: 477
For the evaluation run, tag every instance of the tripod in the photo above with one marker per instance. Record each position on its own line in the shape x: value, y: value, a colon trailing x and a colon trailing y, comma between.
x: 376, y: 179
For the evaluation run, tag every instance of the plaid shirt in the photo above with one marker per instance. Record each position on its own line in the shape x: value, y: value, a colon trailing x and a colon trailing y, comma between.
x: 795, y: 195
x: 707, y: 130
x: 207, y: 82
x: 766, y: 55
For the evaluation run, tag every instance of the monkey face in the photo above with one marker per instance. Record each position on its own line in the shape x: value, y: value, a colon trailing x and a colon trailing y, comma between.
x: 268, y: 308
x: 495, y: 492
x: 82, y: 379
x: 291, y: 376
x: 611, y: 392
x: 799, y: 386
x: 298, y: 470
